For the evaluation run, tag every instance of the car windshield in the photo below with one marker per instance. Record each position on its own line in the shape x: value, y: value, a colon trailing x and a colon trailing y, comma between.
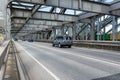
x: 59, y: 38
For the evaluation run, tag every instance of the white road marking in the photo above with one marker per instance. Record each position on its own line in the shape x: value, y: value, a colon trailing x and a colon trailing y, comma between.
x: 53, y: 75
x: 92, y: 58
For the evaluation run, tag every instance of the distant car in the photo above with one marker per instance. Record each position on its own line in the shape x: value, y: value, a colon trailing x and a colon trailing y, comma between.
x: 15, y: 39
x: 30, y: 40
x: 62, y: 41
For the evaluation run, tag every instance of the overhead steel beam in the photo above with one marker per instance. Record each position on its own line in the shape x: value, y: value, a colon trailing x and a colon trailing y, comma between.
x: 27, y: 26
x: 37, y: 22
x: 84, y: 5
x: 87, y: 15
x: 47, y: 23
x: 45, y: 16
x: 32, y: 1
x: 116, y: 13
x: 17, y: 20
x: 87, y: 20
x: 31, y: 30
x: 23, y: 31
x: 32, y: 13
x: 115, y: 6
x: 13, y: 17
x: 34, y: 20
x: 36, y: 27
x: 44, y: 22
x: 35, y: 9
x: 19, y: 25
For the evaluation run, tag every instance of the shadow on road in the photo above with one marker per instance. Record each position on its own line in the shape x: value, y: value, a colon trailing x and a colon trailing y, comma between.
x: 112, y: 77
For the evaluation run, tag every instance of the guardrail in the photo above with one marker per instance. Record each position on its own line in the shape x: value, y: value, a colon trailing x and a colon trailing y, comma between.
x: 108, y: 45
x: 21, y: 71
x: 4, y: 50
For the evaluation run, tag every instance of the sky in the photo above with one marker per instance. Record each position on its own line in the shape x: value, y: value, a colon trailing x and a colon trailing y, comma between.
x: 107, y: 1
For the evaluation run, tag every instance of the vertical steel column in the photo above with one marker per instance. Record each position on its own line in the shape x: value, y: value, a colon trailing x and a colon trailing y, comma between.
x: 73, y: 32
x: 86, y: 33
x: 70, y: 31
x: 98, y: 29
x: 116, y: 19
x: 104, y: 29
x: 92, y: 29
x: 58, y: 31
x: 46, y: 35
x: 100, y: 25
x: 65, y: 30
x: 41, y: 35
x: 62, y: 30
x: 34, y: 36
x: 54, y: 33
x: 114, y: 23
x: 80, y: 4
x: 38, y: 36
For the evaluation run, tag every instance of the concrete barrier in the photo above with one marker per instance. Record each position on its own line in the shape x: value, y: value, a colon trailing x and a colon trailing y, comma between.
x: 4, y: 50
x: 108, y: 45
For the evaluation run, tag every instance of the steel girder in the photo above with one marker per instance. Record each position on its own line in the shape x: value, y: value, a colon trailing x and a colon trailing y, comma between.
x: 87, y: 15
x: 83, y: 27
x: 44, y: 16
x: 111, y: 29
x: 84, y: 5
x: 37, y: 22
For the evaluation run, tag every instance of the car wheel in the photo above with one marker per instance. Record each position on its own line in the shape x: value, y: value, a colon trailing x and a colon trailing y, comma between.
x: 59, y: 45
x: 69, y: 46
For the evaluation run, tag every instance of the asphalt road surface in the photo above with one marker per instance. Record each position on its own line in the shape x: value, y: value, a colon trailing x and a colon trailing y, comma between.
x: 75, y: 63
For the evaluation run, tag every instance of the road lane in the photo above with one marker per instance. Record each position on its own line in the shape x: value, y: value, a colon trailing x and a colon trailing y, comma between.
x: 70, y: 67
x: 111, y: 56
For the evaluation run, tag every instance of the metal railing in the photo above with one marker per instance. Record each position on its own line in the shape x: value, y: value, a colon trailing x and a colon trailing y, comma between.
x: 108, y: 45
x: 4, y: 50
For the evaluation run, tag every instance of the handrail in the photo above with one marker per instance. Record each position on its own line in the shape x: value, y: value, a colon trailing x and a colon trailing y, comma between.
x: 93, y: 41
x: 3, y: 51
x: 109, y: 45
